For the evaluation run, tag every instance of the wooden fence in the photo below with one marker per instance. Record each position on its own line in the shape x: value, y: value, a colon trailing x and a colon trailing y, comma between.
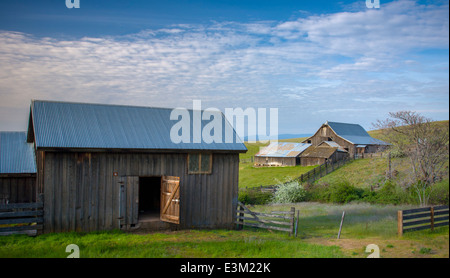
x: 21, y: 218
x: 310, y: 176
x: 276, y: 220
x: 422, y: 218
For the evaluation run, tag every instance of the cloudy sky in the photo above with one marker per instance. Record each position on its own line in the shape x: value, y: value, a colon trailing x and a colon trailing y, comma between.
x: 313, y: 60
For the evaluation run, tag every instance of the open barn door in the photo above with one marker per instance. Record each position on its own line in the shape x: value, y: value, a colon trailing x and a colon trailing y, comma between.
x: 170, y: 199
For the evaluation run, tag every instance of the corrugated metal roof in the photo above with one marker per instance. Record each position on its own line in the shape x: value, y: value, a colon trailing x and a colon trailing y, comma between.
x: 16, y: 155
x: 100, y: 126
x: 355, y: 134
x: 282, y: 149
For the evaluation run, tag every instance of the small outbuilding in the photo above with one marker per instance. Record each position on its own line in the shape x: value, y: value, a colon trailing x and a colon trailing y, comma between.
x: 17, y: 169
x: 317, y: 155
x: 280, y: 154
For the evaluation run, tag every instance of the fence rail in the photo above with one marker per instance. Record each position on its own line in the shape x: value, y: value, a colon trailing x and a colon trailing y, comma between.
x: 422, y: 219
x: 21, y: 218
x: 310, y: 176
x: 276, y: 220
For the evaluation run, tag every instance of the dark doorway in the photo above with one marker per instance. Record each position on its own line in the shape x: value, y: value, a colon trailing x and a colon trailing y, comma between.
x: 149, y: 198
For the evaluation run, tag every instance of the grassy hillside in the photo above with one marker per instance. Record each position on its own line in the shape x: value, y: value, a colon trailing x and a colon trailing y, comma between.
x: 250, y: 176
x: 378, y: 134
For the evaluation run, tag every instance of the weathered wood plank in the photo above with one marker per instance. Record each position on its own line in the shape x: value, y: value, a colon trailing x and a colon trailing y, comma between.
x: 21, y: 220
x: 266, y: 227
x: 21, y: 213
x: 21, y: 206
x: 413, y: 223
x: 415, y: 216
x: 20, y: 228
x: 411, y: 211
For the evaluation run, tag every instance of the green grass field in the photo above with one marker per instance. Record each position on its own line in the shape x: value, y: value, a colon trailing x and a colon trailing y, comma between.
x: 250, y: 176
x: 318, y: 227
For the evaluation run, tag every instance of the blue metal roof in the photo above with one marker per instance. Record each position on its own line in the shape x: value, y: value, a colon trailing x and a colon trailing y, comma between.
x: 355, y: 134
x: 100, y: 126
x: 278, y: 149
x: 16, y: 155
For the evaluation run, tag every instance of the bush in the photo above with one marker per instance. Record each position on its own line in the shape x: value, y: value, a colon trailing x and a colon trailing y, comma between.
x: 344, y: 192
x: 440, y: 193
x: 389, y: 193
x: 254, y: 196
x: 291, y: 192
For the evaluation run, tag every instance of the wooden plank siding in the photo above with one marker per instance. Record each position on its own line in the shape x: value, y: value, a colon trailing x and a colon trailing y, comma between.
x: 324, y: 133
x: 82, y: 189
x: 275, y: 161
x: 18, y: 189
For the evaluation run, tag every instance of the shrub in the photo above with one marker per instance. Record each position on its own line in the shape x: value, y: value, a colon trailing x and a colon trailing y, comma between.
x: 389, y: 193
x: 440, y: 193
x: 344, y: 192
x: 291, y: 192
x: 254, y: 196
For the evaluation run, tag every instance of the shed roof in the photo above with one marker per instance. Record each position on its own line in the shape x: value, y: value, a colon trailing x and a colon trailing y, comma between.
x: 319, y: 151
x: 283, y: 149
x: 354, y: 133
x: 99, y: 126
x: 333, y: 145
x: 16, y: 155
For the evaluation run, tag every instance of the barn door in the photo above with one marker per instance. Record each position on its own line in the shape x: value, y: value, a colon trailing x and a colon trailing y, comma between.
x: 129, y: 201
x: 170, y: 199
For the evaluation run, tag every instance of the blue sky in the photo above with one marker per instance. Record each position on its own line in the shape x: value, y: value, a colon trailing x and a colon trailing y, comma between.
x: 313, y: 60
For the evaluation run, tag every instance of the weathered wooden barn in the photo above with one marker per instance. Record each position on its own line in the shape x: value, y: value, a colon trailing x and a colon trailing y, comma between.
x: 17, y: 169
x: 351, y: 137
x: 102, y: 167
x: 324, y: 152
x: 280, y: 154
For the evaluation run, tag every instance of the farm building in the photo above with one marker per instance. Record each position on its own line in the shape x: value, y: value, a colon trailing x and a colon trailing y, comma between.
x: 17, y: 169
x: 102, y: 167
x: 324, y: 152
x: 280, y: 154
x: 351, y: 137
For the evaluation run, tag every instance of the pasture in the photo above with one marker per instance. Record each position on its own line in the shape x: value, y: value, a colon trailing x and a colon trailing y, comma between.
x: 318, y: 227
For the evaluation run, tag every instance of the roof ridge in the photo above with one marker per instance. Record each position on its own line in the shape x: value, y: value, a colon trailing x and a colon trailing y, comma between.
x: 112, y: 105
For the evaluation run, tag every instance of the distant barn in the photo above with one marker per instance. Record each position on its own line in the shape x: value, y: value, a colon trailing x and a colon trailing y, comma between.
x: 280, y: 154
x: 353, y: 138
x: 17, y: 169
x: 103, y: 167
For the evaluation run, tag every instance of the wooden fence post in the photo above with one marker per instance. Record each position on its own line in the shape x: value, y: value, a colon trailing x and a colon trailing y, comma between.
x: 292, y: 220
x: 296, y: 224
x: 400, y: 222
x: 340, y: 227
x: 241, y: 218
x: 432, y: 218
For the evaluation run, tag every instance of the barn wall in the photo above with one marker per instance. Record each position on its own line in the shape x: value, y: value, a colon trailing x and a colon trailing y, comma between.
x: 18, y: 189
x: 82, y: 194
x: 275, y: 161
x: 311, y: 161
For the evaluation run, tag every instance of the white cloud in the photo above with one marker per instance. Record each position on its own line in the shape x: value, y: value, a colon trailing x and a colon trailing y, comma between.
x: 320, y: 63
